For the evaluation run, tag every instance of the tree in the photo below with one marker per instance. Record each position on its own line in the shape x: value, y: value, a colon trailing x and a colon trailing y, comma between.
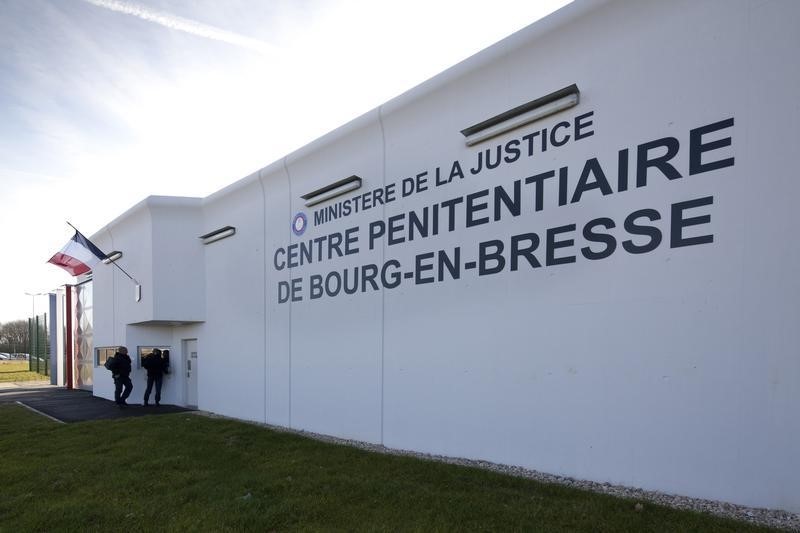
x: 14, y: 337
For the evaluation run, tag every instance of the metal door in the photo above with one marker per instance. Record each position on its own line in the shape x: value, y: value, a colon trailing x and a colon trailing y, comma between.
x: 190, y: 351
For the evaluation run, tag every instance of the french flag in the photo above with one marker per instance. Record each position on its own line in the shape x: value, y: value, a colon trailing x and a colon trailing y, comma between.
x: 78, y: 256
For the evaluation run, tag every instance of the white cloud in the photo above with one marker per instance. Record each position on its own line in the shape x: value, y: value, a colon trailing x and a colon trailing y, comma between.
x: 185, y: 25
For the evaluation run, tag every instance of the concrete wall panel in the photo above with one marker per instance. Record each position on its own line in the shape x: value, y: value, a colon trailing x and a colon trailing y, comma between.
x: 232, y: 378
x: 336, y: 340
x: 277, y: 233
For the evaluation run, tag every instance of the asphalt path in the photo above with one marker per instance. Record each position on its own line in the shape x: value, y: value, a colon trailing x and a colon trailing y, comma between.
x: 75, y: 405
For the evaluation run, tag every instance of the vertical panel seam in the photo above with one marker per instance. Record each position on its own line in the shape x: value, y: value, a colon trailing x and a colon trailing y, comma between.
x: 113, y: 296
x: 289, y: 271
x: 383, y: 261
x: 264, y: 293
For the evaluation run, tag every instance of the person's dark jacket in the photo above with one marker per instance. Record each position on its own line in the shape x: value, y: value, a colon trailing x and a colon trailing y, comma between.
x: 155, y: 366
x: 122, y: 365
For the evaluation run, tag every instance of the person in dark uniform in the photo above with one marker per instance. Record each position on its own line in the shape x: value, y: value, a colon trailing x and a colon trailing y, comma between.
x: 156, y: 366
x: 121, y: 372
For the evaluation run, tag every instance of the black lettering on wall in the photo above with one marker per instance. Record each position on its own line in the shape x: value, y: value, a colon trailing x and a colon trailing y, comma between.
x: 645, y: 160
x: 633, y: 228
x: 676, y: 238
x: 604, y: 238
x: 697, y: 147
x: 553, y: 245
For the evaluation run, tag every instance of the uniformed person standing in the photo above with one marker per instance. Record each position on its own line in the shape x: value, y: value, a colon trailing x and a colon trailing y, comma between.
x: 120, y: 367
x: 156, y: 366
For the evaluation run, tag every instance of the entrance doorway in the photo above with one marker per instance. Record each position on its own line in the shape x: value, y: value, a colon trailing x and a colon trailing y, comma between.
x: 190, y: 351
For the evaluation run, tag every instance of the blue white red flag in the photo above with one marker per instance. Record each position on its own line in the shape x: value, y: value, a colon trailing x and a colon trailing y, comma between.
x: 78, y: 256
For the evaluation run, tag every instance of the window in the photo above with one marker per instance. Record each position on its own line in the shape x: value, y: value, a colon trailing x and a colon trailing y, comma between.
x: 102, y: 354
x: 144, y: 351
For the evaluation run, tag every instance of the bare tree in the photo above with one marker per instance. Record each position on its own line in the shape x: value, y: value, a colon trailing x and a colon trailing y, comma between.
x: 14, y: 337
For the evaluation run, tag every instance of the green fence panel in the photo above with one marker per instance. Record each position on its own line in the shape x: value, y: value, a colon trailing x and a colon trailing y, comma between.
x: 39, y: 359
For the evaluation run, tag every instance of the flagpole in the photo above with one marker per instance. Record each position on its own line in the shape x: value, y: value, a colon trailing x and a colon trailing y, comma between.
x: 112, y: 261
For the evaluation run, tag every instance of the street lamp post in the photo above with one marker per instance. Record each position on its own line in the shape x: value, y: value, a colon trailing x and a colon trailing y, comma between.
x: 33, y: 296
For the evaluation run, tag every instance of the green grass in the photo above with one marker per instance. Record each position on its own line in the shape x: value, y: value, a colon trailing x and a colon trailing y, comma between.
x: 185, y: 472
x: 11, y: 371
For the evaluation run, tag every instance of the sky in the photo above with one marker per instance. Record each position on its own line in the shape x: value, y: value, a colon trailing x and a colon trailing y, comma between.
x: 106, y: 102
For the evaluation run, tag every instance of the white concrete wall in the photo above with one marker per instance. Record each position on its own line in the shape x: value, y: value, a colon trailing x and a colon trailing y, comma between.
x: 114, y: 292
x: 336, y: 343
x: 231, y: 352
x: 278, y: 354
x: 140, y: 336
x: 161, y: 250
x: 173, y: 391
x: 674, y: 369
x: 178, y: 263
x: 641, y: 369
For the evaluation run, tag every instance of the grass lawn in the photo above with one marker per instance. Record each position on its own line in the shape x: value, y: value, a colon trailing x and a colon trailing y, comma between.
x: 17, y: 371
x: 185, y: 472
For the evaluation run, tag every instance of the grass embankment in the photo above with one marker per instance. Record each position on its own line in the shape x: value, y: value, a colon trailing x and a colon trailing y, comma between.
x: 11, y: 371
x: 185, y: 472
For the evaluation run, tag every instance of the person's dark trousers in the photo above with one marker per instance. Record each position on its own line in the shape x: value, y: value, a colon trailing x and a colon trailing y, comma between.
x: 121, y: 395
x: 158, y: 380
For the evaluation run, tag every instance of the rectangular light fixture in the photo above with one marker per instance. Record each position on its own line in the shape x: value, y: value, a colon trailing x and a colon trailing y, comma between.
x: 331, y: 191
x: 523, y: 114
x: 218, y: 234
x: 111, y: 257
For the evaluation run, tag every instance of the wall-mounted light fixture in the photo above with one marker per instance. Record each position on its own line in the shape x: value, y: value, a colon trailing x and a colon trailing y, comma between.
x: 111, y: 257
x: 523, y: 114
x: 330, y: 191
x: 218, y: 234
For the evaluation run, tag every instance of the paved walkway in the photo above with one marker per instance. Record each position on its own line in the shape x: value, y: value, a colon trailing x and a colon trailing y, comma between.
x: 75, y: 405
x: 16, y: 385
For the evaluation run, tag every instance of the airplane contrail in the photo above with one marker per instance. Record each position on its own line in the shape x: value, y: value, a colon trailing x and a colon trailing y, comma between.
x: 185, y: 25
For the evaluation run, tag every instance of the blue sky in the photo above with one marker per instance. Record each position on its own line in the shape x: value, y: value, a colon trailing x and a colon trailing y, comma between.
x: 104, y: 102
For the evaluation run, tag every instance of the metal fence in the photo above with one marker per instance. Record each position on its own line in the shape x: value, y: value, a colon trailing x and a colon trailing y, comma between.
x: 39, y: 359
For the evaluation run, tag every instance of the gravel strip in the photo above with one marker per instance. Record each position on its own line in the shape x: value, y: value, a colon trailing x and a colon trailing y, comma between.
x: 763, y: 517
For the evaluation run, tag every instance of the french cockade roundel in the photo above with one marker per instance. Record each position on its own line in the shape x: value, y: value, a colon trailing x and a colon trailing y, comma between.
x: 299, y: 224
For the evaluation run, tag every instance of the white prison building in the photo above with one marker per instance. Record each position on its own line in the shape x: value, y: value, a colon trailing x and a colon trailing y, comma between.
x: 574, y: 252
